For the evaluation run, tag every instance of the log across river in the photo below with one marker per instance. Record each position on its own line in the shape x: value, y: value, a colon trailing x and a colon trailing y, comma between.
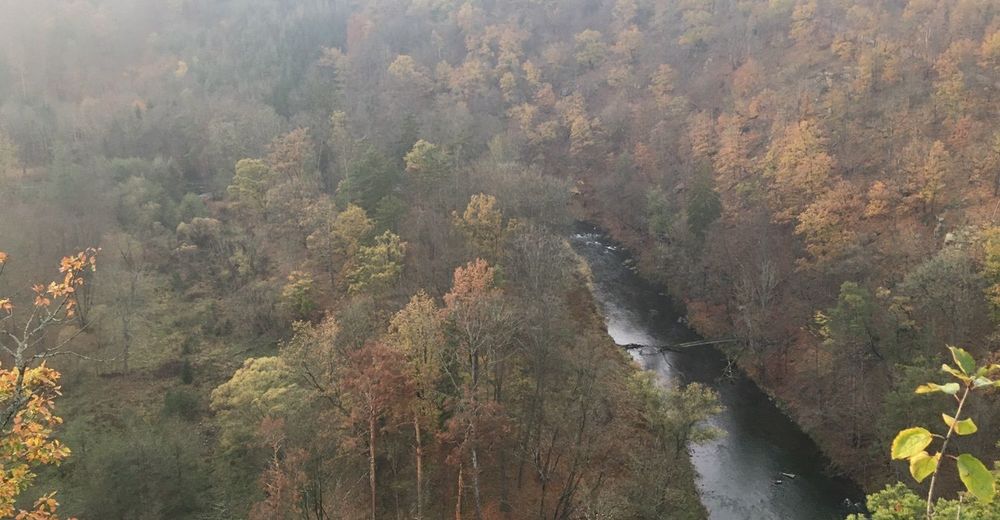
x: 765, y: 467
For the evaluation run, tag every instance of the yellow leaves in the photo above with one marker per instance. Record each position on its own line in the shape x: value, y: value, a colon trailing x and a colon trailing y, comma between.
x: 827, y: 223
x: 590, y: 48
x: 481, y: 223
x: 662, y: 85
x: 411, y: 74
x: 800, y: 169
x: 72, y: 268
x: 880, y: 200
x: 989, y: 52
x: 26, y: 442
x: 701, y: 133
x: 29, y: 442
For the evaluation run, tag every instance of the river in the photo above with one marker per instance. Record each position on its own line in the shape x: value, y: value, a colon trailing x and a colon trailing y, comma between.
x: 739, y: 474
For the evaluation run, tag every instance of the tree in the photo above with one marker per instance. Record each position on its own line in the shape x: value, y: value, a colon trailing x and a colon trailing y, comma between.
x: 732, y: 163
x: 947, y: 297
x: 369, y: 179
x: 263, y: 387
x: 701, y: 133
x: 703, y: 205
x: 989, y: 52
x: 881, y: 200
x: 898, y: 502
x: 482, y: 224
x: 377, y: 266
x: 428, y: 165
x: 662, y: 87
x: 676, y: 416
x: 911, y: 443
x: 131, y: 467
x: 129, y: 292
x: 805, y: 28
x: 991, y: 269
x: 297, y: 295
x: 250, y: 185
x: 590, y: 48
x: 624, y: 12
x: 697, y: 24
x: 482, y: 325
x: 417, y: 331
x: 26, y: 443
x: 689, y: 407
x: 375, y: 386
x: 28, y: 388
x: 283, y: 479
x: 411, y: 75
x: 928, y: 180
x: 349, y: 231
x: 827, y: 224
x: 293, y: 158
x: 799, y: 167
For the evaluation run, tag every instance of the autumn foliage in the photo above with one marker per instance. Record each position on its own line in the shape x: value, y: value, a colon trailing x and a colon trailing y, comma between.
x: 28, y: 389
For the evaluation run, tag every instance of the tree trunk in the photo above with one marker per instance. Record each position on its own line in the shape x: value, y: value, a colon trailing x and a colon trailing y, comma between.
x: 475, y: 484
x: 420, y: 468
x: 126, y: 339
x: 371, y: 458
x: 458, y: 500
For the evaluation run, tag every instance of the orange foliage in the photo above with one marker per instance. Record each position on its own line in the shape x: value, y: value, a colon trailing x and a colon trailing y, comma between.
x: 472, y: 281
x: 27, y: 444
x: 27, y: 392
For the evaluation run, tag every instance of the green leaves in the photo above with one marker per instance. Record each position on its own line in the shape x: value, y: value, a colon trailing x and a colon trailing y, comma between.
x: 923, y: 465
x: 963, y: 427
x: 910, y: 442
x: 963, y: 359
x: 948, y: 388
x: 977, y: 479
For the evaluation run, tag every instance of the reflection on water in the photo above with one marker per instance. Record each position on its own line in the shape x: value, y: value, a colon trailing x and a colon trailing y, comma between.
x: 746, y: 474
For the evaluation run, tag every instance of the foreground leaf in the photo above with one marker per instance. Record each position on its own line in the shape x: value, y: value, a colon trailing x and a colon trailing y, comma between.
x: 963, y: 427
x: 947, y: 368
x: 963, y: 359
x: 922, y: 465
x: 980, y: 382
x: 977, y: 479
x: 948, y: 388
x: 910, y: 442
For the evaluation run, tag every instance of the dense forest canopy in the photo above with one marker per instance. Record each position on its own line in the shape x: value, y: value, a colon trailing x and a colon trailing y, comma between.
x: 333, y: 280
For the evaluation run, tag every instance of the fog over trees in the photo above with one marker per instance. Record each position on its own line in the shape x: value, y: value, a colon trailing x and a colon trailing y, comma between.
x: 315, y: 257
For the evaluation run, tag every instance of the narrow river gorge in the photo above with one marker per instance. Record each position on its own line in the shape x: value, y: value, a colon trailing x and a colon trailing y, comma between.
x: 764, y: 467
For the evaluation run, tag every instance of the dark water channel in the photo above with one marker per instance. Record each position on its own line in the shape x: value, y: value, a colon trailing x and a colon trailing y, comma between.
x: 737, y: 475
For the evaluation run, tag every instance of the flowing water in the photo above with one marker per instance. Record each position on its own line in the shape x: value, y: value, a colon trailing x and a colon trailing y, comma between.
x: 745, y: 474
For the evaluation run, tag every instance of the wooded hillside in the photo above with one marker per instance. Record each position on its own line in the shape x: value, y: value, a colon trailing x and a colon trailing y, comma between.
x: 332, y: 237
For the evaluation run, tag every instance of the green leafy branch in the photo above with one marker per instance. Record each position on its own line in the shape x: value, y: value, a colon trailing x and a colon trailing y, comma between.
x: 911, y: 444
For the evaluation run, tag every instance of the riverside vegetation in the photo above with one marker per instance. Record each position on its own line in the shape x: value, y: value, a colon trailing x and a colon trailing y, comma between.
x: 333, y: 281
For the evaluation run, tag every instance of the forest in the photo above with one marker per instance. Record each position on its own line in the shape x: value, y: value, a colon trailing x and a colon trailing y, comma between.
x: 276, y: 259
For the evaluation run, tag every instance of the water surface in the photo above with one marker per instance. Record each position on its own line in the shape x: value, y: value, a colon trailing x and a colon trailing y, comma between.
x: 739, y: 474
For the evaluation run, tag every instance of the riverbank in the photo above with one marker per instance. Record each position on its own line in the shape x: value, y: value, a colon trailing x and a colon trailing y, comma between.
x: 765, y: 467
x: 842, y: 460
x: 587, y: 313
